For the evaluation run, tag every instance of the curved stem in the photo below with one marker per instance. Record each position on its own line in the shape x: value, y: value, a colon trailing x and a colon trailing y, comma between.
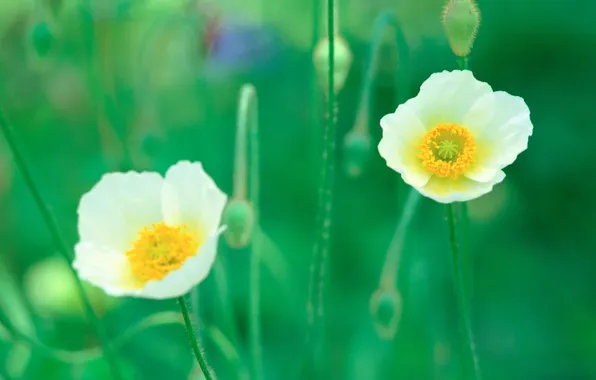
x: 193, y: 340
x: 384, y: 21
x: 469, y: 345
x: 393, y: 257
x: 60, y: 243
x: 247, y: 136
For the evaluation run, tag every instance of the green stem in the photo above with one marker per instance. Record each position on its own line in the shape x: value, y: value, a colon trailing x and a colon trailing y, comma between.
x: 320, y: 258
x: 247, y: 135
x: 60, y: 243
x: 393, y: 257
x: 467, y: 261
x: 384, y: 21
x: 193, y: 340
x: 469, y: 345
x: 315, y: 91
x: 463, y: 62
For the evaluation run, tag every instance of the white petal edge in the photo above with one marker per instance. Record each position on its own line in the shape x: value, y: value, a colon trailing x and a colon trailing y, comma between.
x: 106, y: 269
x: 446, y: 190
x: 191, y: 197
x: 402, y: 133
x: 446, y: 97
x: 117, y: 207
x: 502, y: 126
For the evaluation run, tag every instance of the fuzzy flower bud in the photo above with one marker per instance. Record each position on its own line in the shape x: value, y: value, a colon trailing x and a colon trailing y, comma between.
x: 51, y: 289
x: 357, y: 152
x: 342, y: 62
x: 238, y: 216
x: 461, y: 19
x: 386, y: 309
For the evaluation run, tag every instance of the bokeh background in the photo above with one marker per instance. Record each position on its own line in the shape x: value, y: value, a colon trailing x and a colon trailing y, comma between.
x: 165, y: 76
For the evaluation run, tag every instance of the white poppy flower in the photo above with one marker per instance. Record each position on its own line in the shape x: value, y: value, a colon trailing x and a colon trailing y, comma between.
x: 146, y: 236
x: 453, y: 139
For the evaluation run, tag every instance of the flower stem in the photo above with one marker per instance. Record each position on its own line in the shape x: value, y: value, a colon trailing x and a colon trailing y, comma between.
x: 193, y: 340
x: 320, y: 258
x: 463, y: 62
x: 468, y: 343
x: 393, y: 257
x: 60, y: 243
x: 384, y: 21
x: 467, y: 259
x: 247, y: 136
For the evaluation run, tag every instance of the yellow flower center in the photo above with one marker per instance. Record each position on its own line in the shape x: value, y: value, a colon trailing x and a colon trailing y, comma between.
x: 161, y: 249
x: 447, y: 150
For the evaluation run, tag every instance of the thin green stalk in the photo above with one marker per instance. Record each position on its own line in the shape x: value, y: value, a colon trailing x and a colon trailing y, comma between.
x: 247, y: 136
x: 384, y: 21
x: 194, y: 304
x: 60, y: 243
x: 315, y: 91
x: 463, y: 62
x: 316, y: 300
x: 467, y: 260
x: 468, y: 343
x: 393, y: 257
x: 388, y: 290
x: 193, y: 340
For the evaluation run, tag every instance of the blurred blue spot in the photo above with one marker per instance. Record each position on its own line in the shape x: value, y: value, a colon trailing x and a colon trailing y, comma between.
x: 244, y: 48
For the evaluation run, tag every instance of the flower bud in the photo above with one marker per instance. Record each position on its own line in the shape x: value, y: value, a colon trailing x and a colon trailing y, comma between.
x: 386, y: 309
x: 461, y: 19
x: 238, y: 217
x: 52, y: 290
x: 42, y: 38
x: 342, y: 62
x: 357, y: 152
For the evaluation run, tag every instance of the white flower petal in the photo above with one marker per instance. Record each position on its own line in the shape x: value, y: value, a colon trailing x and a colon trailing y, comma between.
x: 107, y: 269
x: 181, y: 281
x: 447, y: 190
x: 446, y: 97
x: 402, y: 133
x: 191, y: 197
x: 501, y: 124
x: 117, y: 207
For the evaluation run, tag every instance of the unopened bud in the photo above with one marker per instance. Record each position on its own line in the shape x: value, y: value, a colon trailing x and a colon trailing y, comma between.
x: 342, y: 61
x: 238, y: 217
x: 42, y: 38
x: 461, y: 20
x: 385, y: 309
x: 52, y: 290
x: 357, y: 152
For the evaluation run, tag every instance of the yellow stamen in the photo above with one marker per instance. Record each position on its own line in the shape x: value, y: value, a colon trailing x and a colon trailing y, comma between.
x: 161, y: 249
x: 447, y: 150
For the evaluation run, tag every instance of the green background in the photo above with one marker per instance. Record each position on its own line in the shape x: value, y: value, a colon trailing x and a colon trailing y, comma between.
x: 75, y: 74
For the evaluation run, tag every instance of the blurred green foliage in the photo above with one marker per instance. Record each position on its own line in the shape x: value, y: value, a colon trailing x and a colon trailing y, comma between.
x: 77, y: 75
